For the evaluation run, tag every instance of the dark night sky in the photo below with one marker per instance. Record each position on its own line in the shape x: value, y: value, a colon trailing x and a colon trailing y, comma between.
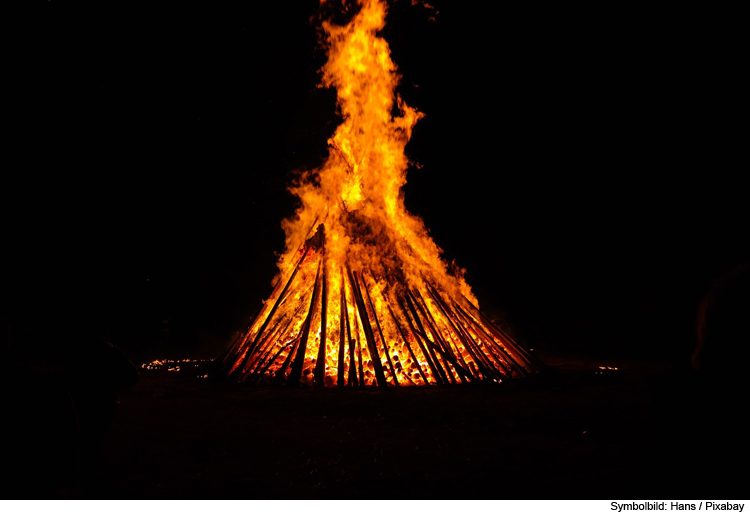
x: 581, y: 164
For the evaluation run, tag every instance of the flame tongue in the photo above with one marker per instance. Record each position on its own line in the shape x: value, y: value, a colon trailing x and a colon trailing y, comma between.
x: 370, y: 142
x: 363, y: 297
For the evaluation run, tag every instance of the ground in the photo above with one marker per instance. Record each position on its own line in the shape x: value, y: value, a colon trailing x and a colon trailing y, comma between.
x: 578, y: 432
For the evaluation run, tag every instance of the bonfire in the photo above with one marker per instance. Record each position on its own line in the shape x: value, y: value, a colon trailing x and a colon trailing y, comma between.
x: 363, y: 296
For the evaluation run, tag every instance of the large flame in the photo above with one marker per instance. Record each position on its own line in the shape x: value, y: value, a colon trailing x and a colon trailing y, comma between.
x: 367, y: 298
x: 366, y: 167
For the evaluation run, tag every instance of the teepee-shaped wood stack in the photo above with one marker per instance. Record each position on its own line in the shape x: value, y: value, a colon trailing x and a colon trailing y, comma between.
x: 367, y: 300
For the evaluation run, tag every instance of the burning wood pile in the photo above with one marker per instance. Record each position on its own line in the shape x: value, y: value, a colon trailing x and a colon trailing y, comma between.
x: 363, y: 297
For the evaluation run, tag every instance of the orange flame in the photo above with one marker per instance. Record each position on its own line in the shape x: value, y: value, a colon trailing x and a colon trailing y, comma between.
x: 366, y: 167
x: 368, y: 300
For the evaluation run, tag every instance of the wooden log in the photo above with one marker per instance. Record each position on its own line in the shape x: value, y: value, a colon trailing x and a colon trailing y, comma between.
x: 262, y: 364
x: 501, y: 355
x: 406, y: 342
x: 501, y: 364
x: 439, y: 357
x: 431, y: 347
x: 455, y: 350
x: 294, y: 341
x: 233, y: 357
x: 275, y: 307
x: 464, y: 337
x: 248, y: 327
x: 442, y: 348
x: 503, y: 336
x: 380, y: 331
x: 225, y: 358
x: 367, y: 328
x: 279, y: 300
x: 220, y: 364
x: 263, y: 350
x: 277, y: 332
x: 492, y: 345
x: 342, y: 337
x: 485, y: 367
x: 288, y: 359
x: 449, y: 316
x: 449, y: 357
x: 408, y: 313
x: 460, y: 358
x: 358, y: 348
x: 352, y: 382
x: 259, y: 375
x: 479, y: 352
x: 299, y: 358
x: 320, y: 365
x: 290, y: 324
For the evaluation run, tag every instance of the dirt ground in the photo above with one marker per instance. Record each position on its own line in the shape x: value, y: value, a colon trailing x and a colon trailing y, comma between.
x: 577, y: 432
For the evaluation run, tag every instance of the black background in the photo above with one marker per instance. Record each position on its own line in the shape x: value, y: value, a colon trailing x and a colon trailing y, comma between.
x: 581, y: 162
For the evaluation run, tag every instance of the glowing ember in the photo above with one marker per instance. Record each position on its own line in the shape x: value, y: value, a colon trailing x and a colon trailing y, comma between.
x: 174, y: 365
x: 362, y: 295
